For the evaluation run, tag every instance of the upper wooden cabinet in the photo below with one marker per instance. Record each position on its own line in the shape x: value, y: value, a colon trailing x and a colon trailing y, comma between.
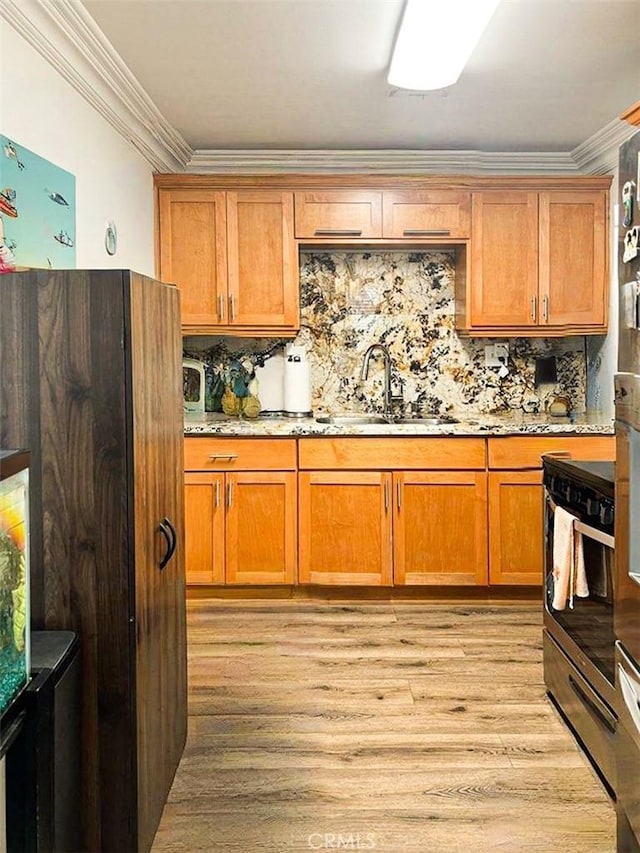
x: 234, y: 259
x: 538, y: 264
x: 426, y: 214
x: 401, y: 214
x: 338, y: 213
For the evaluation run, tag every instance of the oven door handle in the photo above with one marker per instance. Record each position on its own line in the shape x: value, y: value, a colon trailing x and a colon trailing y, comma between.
x: 607, y: 721
x: 593, y: 533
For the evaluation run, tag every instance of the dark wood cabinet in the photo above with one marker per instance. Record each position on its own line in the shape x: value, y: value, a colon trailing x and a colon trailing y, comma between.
x: 90, y: 382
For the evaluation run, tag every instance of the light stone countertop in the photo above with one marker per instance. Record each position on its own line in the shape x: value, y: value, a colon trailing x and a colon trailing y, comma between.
x: 515, y: 423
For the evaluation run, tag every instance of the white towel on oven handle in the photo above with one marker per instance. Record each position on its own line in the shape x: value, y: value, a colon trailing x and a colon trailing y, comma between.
x: 569, y: 575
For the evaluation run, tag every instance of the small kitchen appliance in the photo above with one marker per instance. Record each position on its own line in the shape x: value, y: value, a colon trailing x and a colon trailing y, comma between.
x: 193, y: 385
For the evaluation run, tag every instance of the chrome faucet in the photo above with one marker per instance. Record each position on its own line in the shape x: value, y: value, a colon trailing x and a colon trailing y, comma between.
x: 381, y: 348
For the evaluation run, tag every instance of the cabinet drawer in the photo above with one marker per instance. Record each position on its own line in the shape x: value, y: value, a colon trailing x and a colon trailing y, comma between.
x: 237, y: 454
x: 526, y: 451
x: 426, y: 215
x: 384, y: 453
x: 338, y: 213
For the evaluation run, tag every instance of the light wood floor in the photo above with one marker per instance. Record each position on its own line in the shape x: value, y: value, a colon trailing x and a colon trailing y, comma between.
x: 401, y: 728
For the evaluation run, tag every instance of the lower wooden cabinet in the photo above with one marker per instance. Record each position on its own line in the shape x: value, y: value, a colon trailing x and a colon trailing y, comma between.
x: 241, y: 525
x: 440, y: 527
x: 421, y: 521
x: 516, y: 527
x: 345, y: 528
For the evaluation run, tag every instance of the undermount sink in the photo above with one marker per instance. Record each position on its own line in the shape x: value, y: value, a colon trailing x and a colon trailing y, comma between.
x: 353, y: 420
x: 363, y: 420
x: 427, y: 420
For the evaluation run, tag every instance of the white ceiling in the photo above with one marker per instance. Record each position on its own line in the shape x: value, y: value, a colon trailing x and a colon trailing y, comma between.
x: 311, y: 74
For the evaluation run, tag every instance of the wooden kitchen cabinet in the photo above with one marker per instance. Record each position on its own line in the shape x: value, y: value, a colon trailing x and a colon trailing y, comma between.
x: 338, y: 213
x: 240, y: 523
x: 538, y: 264
x: 515, y: 518
x: 426, y: 214
x: 440, y: 527
x: 233, y: 257
x: 393, y: 526
x: 345, y: 528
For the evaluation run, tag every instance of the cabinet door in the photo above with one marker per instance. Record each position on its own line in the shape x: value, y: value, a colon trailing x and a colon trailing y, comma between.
x: 345, y: 527
x: 515, y: 527
x: 204, y: 527
x: 504, y: 259
x: 440, y: 527
x: 192, y: 236
x: 426, y: 214
x: 261, y: 527
x: 573, y: 259
x: 338, y: 213
x: 262, y: 259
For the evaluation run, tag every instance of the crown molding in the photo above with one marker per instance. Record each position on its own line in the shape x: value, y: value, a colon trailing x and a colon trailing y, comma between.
x: 381, y: 162
x: 598, y: 155
x: 64, y: 34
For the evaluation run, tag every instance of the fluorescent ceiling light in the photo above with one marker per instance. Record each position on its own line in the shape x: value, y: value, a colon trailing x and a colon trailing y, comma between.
x: 435, y: 40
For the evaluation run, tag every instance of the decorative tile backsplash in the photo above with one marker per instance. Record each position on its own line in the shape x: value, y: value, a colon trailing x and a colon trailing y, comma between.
x: 405, y: 300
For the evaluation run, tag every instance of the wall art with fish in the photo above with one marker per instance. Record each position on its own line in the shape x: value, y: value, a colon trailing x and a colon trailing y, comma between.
x: 37, y: 211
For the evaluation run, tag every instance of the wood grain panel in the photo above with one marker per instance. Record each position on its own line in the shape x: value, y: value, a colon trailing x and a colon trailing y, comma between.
x: 406, y: 453
x: 193, y: 252
x: 573, y: 259
x: 440, y: 528
x: 345, y: 521
x: 516, y: 535
x: 261, y: 527
x: 334, y: 212
x: 235, y: 454
x: 504, y: 259
x: 204, y: 528
x: 425, y: 213
x: 519, y: 451
x: 158, y: 490
x: 262, y: 259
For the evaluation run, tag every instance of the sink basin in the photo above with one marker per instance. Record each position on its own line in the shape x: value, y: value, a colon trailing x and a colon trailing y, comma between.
x: 427, y: 420
x: 352, y: 420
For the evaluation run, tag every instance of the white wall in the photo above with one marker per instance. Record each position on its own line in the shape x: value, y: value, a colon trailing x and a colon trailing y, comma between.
x: 41, y: 111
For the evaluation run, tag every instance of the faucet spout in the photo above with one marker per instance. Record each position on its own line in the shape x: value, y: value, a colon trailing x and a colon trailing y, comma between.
x: 384, y: 352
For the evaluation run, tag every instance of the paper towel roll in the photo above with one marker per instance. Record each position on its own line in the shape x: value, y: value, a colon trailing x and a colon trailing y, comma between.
x: 297, y: 386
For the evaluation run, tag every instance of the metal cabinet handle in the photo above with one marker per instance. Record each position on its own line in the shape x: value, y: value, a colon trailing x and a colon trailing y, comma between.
x: 232, y: 307
x: 229, y: 495
x: 545, y: 309
x: 337, y: 232
x: 534, y: 308
x: 218, y: 457
x: 426, y: 232
x: 399, y: 494
x: 221, y: 307
x: 386, y: 496
x: 217, y: 493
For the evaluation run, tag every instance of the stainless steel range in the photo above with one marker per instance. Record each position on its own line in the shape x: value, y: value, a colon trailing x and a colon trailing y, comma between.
x: 578, y: 639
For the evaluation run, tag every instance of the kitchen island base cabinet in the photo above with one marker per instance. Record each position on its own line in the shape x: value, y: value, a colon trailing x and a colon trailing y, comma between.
x: 241, y: 524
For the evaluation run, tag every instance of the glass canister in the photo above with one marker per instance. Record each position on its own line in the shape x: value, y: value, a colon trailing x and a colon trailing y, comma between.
x: 14, y: 574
